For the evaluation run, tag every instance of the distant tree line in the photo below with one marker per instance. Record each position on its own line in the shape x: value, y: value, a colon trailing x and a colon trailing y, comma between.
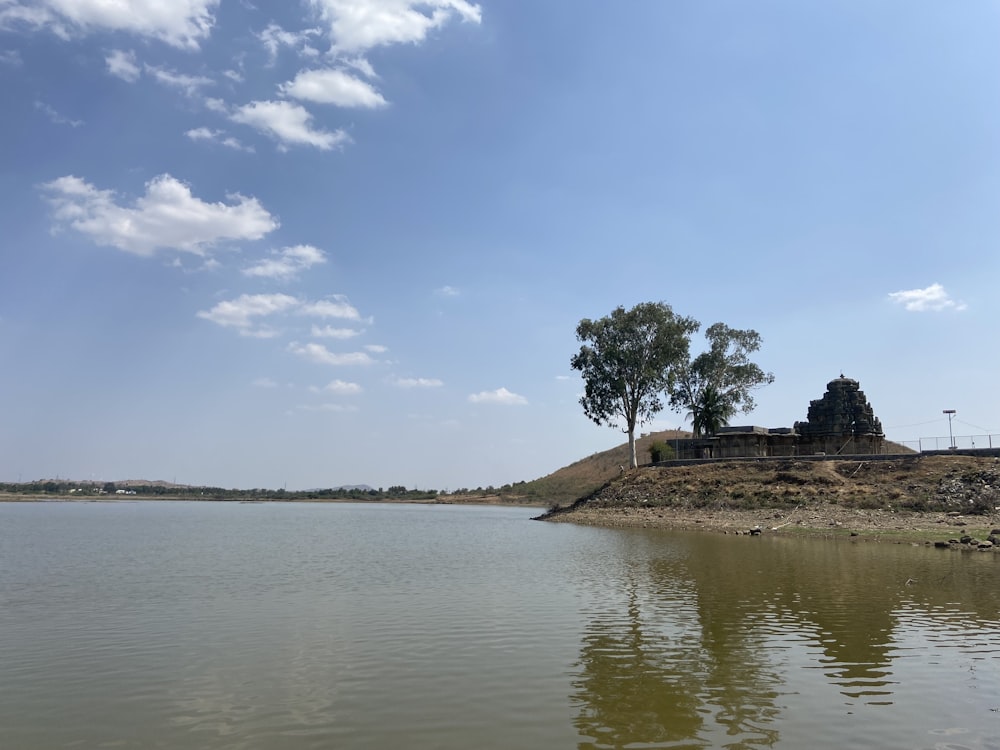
x: 77, y: 489
x: 396, y: 492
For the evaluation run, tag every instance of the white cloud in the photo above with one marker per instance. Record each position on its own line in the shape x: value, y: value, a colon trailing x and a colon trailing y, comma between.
x: 11, y: 57
x: 359, y: 25
x: 181, y: 23
x: 931, y: 299
x: 361, y: 65
x: 235, y: 144
x: 274, y: 38
x: 337, y: 307
x: 202, y: 134
x: 340, y: 387
x: 246, y: 311
x: 333, y: 86
x: 447, y: 291
x: 55, y: 117
x: 208, y: 135
x: 242, y: 312
x: 287, y: 263
x: 376, y: 348
x: 288, y: 123
x: 215, y: 105
x: 167, y: 216
x: 189, y: 85
x: 499, y: 396
x: 123, y: 65
x: 329, y: 332
x: 418, y: 383
x: 321, y: 355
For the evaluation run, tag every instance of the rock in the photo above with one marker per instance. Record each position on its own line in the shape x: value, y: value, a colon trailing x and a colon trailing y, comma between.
x: 942, y: 545
x: 966, y: 539
x: 986, y: 545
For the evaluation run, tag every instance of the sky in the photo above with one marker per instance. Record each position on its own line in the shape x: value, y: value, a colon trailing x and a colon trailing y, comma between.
x: 328, y: 242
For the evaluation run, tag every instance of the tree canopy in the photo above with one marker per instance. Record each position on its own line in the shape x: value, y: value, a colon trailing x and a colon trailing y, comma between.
x: 711, y: 414
x: 628, y: 360
x: 719, y: 383
x: 631, y: 359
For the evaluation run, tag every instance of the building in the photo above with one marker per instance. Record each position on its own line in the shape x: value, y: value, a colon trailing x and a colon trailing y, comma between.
x: 842, y: 422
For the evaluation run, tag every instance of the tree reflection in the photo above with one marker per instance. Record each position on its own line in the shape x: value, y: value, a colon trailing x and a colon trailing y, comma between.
x: 639, y: 680
x: 706, y: 641
x: 740, y: 683
x: 843, y: 595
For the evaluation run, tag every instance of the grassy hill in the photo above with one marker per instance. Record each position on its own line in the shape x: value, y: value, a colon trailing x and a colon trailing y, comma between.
x: 913, y: 497
x: 588, y: 474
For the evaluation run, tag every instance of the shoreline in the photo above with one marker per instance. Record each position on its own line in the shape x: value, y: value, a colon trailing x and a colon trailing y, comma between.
x: 492, y: 500
x: 826, y: 522
x: 919, y: 499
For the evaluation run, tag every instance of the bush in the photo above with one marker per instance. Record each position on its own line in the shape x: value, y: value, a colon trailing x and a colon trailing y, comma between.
x: 985, y: 502
x: 661, y: 451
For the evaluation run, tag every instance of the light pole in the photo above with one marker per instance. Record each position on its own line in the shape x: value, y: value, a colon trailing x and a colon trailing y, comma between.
x: 951, y: 439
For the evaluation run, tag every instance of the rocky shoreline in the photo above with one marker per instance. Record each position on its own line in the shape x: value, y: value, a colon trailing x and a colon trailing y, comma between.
x: 949, y: 501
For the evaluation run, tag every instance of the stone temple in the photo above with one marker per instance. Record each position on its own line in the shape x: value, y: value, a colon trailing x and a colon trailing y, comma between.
x: 842, y: 422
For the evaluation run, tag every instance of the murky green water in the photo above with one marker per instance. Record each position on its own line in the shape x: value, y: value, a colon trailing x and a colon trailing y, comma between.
x: 157, y: 625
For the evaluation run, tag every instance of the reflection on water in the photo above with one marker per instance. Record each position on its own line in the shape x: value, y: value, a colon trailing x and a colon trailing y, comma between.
x: 636, y: 681
x: 710, y: 641
x: 255, y: 627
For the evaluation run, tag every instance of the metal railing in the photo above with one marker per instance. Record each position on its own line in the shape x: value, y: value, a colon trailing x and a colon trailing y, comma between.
x: 958, y: 442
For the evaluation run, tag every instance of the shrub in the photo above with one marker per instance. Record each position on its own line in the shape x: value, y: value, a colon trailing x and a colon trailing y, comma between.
x: 985, y: 502
x: 661, y: 451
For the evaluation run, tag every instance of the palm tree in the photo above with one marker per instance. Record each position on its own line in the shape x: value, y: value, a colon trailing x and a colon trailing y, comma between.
x: 711, y: 412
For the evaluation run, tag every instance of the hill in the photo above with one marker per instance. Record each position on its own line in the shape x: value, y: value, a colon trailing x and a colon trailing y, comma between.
x: 937, y: 496
x: 585, y: 476
x: 588, y: 474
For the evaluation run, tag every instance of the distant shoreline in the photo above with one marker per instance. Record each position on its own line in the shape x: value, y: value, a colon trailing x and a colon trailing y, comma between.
x: 496, y: 500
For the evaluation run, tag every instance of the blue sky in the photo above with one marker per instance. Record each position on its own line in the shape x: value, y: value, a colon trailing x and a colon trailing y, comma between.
x: 331, y: 242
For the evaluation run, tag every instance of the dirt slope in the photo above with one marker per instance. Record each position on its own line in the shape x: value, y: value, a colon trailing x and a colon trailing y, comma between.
x: 938, y: 493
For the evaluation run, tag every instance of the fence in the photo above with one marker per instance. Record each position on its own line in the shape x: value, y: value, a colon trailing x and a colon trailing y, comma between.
x: 959, y: 442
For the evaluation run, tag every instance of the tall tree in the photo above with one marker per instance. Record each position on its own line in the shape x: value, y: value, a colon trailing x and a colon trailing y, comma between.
x: 628, y: 360
x: 721, y: 379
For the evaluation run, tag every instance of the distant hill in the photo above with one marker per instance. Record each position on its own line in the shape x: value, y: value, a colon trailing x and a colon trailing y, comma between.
x: 116, y: 482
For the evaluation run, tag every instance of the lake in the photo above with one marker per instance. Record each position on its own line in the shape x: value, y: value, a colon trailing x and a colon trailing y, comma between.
x: 265, y: 626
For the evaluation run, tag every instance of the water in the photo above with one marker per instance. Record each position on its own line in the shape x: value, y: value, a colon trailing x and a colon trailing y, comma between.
x: 266, y: 626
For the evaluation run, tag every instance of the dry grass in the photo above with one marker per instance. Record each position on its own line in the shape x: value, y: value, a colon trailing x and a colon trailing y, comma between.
x: 583, y: 477
x: 946, y: 495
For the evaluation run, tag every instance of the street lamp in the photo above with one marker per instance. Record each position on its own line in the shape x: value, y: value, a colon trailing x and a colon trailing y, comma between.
x: 950, y: 413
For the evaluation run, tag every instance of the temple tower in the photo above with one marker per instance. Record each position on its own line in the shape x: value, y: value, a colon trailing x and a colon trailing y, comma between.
x: 841, y: 422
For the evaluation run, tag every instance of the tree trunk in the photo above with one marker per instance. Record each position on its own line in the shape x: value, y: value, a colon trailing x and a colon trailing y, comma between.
x: 633, y: 462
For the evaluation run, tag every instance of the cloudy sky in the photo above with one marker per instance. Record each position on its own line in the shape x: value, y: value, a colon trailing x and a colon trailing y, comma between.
x: 320, y: 242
